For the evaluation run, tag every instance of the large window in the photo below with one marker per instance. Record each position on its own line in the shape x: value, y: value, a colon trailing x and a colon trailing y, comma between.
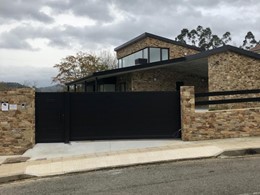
x: 152, y: 54
x: 155, y: 54
x: 107, y: 88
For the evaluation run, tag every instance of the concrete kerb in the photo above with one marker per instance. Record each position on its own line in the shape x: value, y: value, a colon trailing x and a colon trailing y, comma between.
x: 12, y: 178
x: 221, y: 154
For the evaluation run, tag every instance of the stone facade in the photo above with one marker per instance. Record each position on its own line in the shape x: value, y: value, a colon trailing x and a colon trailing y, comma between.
x: 216, y: 124
x: 17, y: 126
x: 230, y: 71
x: 176, y: 51
x: 161, y: 79
x: 164, y: 79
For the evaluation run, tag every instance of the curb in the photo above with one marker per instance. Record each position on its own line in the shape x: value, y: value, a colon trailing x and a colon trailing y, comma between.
x: 12, y: 178
x: 223, y: 154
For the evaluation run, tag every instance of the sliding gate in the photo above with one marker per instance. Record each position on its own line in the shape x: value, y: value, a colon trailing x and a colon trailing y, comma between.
x: 64, y: 117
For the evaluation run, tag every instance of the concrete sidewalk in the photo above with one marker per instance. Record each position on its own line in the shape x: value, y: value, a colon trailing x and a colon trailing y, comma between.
x: 149, y: 152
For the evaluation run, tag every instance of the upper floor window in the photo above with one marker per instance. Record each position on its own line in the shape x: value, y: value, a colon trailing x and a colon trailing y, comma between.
x: 152, y: 54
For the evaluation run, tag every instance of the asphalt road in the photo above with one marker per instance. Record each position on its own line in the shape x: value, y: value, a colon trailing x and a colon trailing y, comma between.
x: 211, y: 176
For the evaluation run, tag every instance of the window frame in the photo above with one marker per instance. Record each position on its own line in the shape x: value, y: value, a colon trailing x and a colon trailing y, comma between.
x: 143, y: 53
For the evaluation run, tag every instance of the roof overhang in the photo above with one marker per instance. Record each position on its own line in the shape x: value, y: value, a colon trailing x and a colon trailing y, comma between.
x: 145, y: 35
x: 196, y: 64
x: 198, y: 67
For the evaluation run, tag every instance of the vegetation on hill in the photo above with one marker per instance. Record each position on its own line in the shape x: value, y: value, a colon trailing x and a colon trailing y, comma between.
x: 11, y: 85
x: 206, y: 39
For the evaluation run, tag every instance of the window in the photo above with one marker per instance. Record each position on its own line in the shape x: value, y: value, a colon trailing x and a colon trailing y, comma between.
x: 120, y: 63
x: 71, y: 88
x: 152, y: 54
x: 155, y: 55
x: 80, y: 87
x: 165, y: 54
x: 145, y: 53
x: 107, y: 88
x: 90, y: 88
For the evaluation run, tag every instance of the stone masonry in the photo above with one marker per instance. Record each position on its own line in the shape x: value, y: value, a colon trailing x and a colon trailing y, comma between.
x: 161, y: 79
x: 216, y: 124
x: 176, y: 51
x: 230, y: 71
x: 164, y: 79
x: 17, y: 125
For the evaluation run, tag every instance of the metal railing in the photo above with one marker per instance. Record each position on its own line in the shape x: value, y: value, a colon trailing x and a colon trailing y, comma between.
x: 225, y: 93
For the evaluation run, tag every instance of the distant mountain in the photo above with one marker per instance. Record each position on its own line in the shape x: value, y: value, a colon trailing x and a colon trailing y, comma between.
x: 54, y: 88
x: 11, y: 85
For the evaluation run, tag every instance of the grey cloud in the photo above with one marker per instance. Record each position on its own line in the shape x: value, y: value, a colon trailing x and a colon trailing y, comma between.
x: 141, y: 16
x: 13, y: 41
x: 165, y: 18
x: 95, y: 9
x: 23, y: 10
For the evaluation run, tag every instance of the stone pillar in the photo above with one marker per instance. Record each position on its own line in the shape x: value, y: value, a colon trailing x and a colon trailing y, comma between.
x: 17, y: 123
x: 187, y: 110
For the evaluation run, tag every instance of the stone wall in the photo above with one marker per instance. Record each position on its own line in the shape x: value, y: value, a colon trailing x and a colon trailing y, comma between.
x: 17, y: 125
x: 126, y: 79
x: 176, y: 51
x: 161, y: 79
x: 216, y: 124
x: 230, y: 71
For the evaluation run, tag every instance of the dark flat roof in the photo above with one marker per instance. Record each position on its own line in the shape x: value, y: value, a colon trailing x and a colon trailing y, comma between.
x: 179, y: 63
x: 224, y: 49
x: 145, y: 35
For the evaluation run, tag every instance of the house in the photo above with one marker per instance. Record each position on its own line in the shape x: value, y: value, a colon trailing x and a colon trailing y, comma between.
x: 153, y: 63
x: 256, y: 48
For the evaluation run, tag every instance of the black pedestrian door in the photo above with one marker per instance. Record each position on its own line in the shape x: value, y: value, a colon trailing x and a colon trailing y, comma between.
x: 49, y: 112
x: 90, y: 116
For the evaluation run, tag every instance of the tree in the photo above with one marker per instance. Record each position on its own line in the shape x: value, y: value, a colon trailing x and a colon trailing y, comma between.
x: 81, y: 65
x: 203, y: 38
x: 249, y: 41
x: 108, y: 59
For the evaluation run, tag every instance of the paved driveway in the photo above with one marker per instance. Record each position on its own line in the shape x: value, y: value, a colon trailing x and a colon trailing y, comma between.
x: 56, y: 150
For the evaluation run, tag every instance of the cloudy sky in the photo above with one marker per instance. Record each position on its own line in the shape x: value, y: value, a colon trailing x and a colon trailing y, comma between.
x: 36, y: 34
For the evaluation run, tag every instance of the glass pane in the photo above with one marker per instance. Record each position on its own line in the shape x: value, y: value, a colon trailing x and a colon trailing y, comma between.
x: 71, y: 87
x: 145, y: 53
x: 165, y: 54
x: 109, y: 88
x: 130, y: 60
x: 155, y: 54
x: 120, y: 63
x: 90, y: 88
x: 137, y: 55
x: 101, y: 88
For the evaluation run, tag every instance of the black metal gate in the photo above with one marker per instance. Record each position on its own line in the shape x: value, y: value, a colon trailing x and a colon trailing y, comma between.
x: 90, y: 116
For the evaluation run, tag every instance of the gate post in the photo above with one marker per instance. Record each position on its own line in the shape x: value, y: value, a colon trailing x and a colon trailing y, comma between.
x: 67, y: 117
x: 187, y: 110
